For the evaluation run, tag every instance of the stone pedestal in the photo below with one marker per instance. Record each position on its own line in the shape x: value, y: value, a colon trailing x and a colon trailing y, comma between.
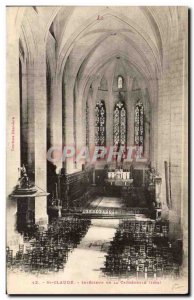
x: 41, y: 217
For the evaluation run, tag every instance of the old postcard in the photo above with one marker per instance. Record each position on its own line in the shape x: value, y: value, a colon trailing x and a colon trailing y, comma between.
x: 97, y: 150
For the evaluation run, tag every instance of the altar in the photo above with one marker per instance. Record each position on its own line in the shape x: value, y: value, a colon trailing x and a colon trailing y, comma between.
x: 119, y: 182
x: 119, y: 177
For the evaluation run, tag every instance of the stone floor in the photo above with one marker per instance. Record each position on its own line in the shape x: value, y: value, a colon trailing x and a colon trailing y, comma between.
x: 106, y: 202
x: 113, y: 207
x: 88, y: 258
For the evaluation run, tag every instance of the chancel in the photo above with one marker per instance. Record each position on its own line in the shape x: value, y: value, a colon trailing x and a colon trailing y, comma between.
x: 111, y: 81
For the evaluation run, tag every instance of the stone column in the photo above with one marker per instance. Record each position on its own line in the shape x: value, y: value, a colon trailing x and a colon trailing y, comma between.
x: 79, y: 125
x: 24, y: 114
x: 130, y: 120
x: 109, y: 119
x: 147, y: 138
x: 154, y: 157
x: 91, y: 115
x: 31, y: 74
x: 130, y: 112
x: 40, y: 124
x: 56, y: 118
x: 69, y: 123
x: 146, y: 125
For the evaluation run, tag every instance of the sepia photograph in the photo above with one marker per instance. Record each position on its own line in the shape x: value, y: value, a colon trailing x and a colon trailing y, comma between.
x: 97, y: 195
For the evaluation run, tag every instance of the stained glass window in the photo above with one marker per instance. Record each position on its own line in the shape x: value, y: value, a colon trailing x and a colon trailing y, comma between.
x: 100, y: 124
x: 87, y: 124
x: 120, y: 82
x: 139, y: 124
x: 120, y: 124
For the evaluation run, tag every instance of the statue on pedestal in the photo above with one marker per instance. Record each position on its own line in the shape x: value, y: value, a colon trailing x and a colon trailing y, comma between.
x: 24, y: 187
x: 23, y: 181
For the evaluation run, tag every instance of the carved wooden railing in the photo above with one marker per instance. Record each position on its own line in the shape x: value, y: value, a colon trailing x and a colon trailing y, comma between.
x: 74, y: 188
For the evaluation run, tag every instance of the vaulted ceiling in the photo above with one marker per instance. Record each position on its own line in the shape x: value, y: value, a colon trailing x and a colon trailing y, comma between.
x: 99, y: 40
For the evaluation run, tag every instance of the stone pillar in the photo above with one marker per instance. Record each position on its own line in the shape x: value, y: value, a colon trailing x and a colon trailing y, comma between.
x: 56, y: 118
x: 91, y: 120
x: 146, y: 125
x: 40, y: 124
x: 24, y: 113
x: 69, y: 121
x: 31, y: 74
x: 147, y: 138
x: 154, y: 135
x: 109, y: 119
x: 79, y: 125
x: 130, y: 113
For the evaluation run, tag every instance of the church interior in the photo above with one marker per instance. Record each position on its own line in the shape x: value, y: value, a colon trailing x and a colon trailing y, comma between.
x: 107, y: 77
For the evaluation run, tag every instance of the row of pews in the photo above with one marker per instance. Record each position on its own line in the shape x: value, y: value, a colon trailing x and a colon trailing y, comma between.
x: 143, y: 249
x: 47, y: 251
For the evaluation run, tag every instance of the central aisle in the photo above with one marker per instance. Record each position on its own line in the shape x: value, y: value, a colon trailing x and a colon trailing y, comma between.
x: 86, y: 260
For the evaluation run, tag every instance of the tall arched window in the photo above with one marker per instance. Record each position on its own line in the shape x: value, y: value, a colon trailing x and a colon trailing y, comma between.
x: 120, y: 124
x: 139, y: 124
x: 120, y: 82
x: 100, y: 124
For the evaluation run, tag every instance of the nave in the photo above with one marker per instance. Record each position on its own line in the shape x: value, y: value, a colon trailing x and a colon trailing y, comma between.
x: 97, y: 143
x: 99, y: 248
